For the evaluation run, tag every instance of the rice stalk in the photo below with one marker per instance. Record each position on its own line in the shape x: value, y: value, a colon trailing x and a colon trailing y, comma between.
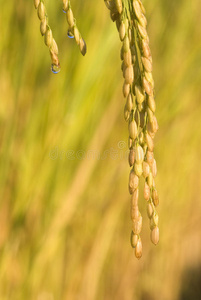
x: 73, y: 31
x: 139, y: 111
x: 48, y: 36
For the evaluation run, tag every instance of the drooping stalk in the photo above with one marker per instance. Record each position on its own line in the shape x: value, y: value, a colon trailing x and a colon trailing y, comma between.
x: 46, y: 31
x: 139, y: 111
x: 73, y: 31
x: 48, y: 36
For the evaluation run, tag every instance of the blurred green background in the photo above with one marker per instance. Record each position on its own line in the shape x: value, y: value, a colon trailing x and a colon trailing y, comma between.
x: 64, y: 203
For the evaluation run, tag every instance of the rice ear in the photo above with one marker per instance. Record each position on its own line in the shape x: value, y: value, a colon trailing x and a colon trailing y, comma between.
x: 48, y: 36
x: 72, y: 24
x: 140, y: 112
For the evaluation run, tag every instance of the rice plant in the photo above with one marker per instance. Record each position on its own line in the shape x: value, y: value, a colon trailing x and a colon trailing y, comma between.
x: 64, y: 213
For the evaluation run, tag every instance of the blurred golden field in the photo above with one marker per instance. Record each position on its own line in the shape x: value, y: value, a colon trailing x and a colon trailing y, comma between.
x: 64, y: 206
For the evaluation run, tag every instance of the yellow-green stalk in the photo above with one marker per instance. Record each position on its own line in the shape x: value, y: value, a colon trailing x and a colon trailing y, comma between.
x: 139, y: 110
x: 73, y: 31
x: 47, y: 33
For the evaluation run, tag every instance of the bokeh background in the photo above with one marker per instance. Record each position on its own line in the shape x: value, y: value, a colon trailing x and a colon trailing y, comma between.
x: 64, y: 203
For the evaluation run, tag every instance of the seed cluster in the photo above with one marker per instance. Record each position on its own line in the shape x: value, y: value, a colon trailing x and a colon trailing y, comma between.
x: 139, y: 111
x: 47, y: 33
x: 73, y: 30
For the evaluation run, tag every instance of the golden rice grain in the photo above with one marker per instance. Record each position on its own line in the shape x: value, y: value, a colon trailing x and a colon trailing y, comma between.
x: 138, y: 169
x: 151, y: 103
x: 139, y: 94
x: 150, y: 210
x: 146, y: 191
x: 41, y: 10
x: 129, y: 103
x: 138, y: 249
x: 137, y: 225
x: 137, y: 9
x: 147, y: 64
x: 131, y: 157
x: 133, y: 182
x: 150, y: 180
x: 149, y: 142
x: 122, y: 31
x: 129, y: 74
x: 146, y: 169
x: 126, y: 89
x: 155, y: 235
x: 134, y: 212
x: 65, y: 5
x: 36, y: 3
x: 133, y: 131
x: 134, y: 239
x: 118, y: 4
x: 135, y: 197
x: 127, y: 57
x: 70, y: 17
x: 155, y: 197
x: 126, y: 44
x: 139, y: 154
